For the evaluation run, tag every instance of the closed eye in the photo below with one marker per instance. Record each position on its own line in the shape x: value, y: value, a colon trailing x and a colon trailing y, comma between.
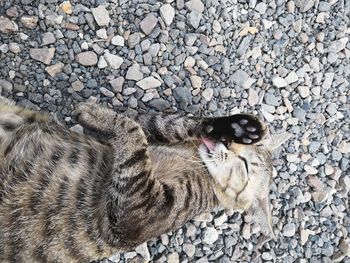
x: 245, y: 162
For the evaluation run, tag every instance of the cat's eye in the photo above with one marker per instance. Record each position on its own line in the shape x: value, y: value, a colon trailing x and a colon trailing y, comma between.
x: 245, y: 162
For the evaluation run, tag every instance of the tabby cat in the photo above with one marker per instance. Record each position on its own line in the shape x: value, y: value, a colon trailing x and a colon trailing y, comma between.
x: 71, y: 197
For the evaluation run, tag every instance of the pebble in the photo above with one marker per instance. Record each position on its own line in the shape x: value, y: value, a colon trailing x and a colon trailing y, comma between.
x: 101, y: 15
x: 148, y: 24
x: 88, y: 58
x: 304, y: 91
x: 291, y: 77
x: 134, y: 73
x: 48, y: 38
x: 289, y: 230
x: 102, y: 63
x: 261, y: 8
x: 208, y: 94
x: 279, y: 82
x: 195, y: 5
x: 149, y: 83
x: 118, y: 41
x: 253, y: 97
x: 101, y: 33
x: 210, y: 235
x: 43, y: 55
x: 174, y: 258
x: 107, y: 92
x: 117, y: 84
x: 196, y: 81
x: 167, y: 12
x: 77, y: 86
x: 29, y: 21
x: 239, y: 77
x: 307, y: 5
x: 189, y: 249
x: 55, y: 69
x: 113, y: 61
x: 143, y: 251
x: 66, y: 7
x: 194, y: 19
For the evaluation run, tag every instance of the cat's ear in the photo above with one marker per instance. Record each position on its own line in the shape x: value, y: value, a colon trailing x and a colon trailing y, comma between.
x: 272, y: 142
x: 260, y: 212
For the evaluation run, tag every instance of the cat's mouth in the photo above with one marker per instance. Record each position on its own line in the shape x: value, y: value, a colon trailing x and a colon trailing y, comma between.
x: 209, y: 144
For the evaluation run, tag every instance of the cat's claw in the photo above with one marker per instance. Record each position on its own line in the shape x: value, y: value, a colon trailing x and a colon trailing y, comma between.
x: 239, y: 128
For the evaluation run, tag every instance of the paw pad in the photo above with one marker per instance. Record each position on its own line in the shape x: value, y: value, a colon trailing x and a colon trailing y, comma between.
x: 239, y: 128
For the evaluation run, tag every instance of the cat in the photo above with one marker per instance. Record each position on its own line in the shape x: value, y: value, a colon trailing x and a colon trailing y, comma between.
x: 71, y: 197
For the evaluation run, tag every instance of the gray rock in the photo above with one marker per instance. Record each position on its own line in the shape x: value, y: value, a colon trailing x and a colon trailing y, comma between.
x: 47, y: 38
x: 87, y: 58
x: 189, y: 249
x: 117, y: 41
x: 101, y: 15
x: 29, y: 21
x: 5, y: 86
x: 183, y: 96
x: 43, y: 55
x: 279, y: 82
x: 190, y: 38
x: 239, y: 77
x: 133, y: 40
x: 148, y: 24
x: 148, y: 83
x: 195, y: 5
x: 55, y: 69
x: 107, y: 92
x: 117, y: 84
x: 113, y: 61
x: 134, y: 73
x: 307, y: 5
x: 261, y: 8
x: 167, y: 12
x: 289, y: 230
x: 77, y: 86
x: 194, y: 18
x: 324, y: 6
x: 210, y: 235
x: 160, y: 104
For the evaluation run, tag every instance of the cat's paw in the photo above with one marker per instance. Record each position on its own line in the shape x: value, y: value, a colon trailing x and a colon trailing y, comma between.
x: 94, y: 117
x: 239, y: 128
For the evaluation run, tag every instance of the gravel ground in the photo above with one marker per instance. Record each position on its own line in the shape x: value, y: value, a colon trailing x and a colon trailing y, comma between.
x: 287, y: 61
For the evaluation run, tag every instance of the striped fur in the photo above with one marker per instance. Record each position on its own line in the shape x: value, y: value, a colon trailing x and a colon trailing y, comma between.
x: 69, y: 197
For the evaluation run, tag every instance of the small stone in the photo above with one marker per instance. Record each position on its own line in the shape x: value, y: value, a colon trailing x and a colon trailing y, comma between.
x: 196, y: 81
x: 55, y: 69
x: 190, y: 38
x: 253, y: 97
x: 267, y: 24
x: 12, y: 11
x: 289, y: 230
x: 101, y: 15
x: 225, y: 93
x: 277, y: 34
x: 239, y: 77
x: 5, y: 86
x: 304, y: 235
x: 118, y: 41
x: 261, y: 8
x: 216, y: 26
x: 113, y: 61
x: 102, y: 33
x: 304, y: 91
x: 134, y: 73
x: 194, y: 19
x: 88, y: 58
x: 210, y: 235
x: 66, y: 7
x: 7, y: 26
x: 43, y: 55
x: 29, y: 21
x: 195, y: 5
x: 218, y: 221
x: 148, y: 24
x: 189, y: 62
x: 167, y: 12
x: 291, y: 77
x: 324, y: 6
x: 307, y: 5
x: 107, y: 92
x: 319, y: 196
x: 77, y: 86
x: 303, y: 38
x: 102, y: 63
x: 332, y: 109
x: 189, y: 249
x: 208, y: 94
x: 328, y: 80
x: 133, y: 40
x: 77, y: 128
x: 143, y: 251
x: 47, y: 38
x: 14, y: 48
x: 344, y: 147
x: 148, y: 83
x: 174, y: 258
x: 310, y: 170
x: 279, y: 82
x: 117, y: 84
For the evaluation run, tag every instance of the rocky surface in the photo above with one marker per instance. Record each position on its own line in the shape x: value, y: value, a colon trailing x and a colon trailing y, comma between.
x: 286, y: 61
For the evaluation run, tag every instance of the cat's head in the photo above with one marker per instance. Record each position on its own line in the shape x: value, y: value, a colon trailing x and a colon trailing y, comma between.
x: 242, y: 175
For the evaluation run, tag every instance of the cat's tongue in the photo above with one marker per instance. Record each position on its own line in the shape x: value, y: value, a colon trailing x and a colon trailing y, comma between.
x: 210, y: 144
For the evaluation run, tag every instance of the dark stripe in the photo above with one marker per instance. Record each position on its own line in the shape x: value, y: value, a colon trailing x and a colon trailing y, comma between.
x: 62, y: 192
x: 49, y: 225
x: 155, y: 132
x: 148, y: 189
x: 16, y: 243
x: 188, y: 194
x: 74, y: 250
x: 131, y: 185
x: 135, y: 158
x: 40, y: 253
x: 74, y: 156
x: 45, y: 179
x: 9, y: 126
x: 133, y: 129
